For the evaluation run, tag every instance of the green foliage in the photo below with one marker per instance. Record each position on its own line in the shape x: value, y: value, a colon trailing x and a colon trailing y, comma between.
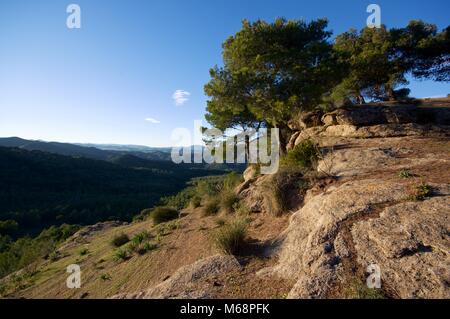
x: 405, y: 174
x: 420, y: 192
x: 231, y: 237
x: 305, y: 155
x: 24, y: 251
x: 140, y: 237
x: 270, y: 71
x: 121, y: 254
x: 84, y: 251
x: 105, y: 277
x: 164, y: 214
x: 378, y: 59
x: 120, y: 240
x: 40, y: 189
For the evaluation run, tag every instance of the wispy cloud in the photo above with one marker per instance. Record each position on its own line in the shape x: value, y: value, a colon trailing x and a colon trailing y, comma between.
x: 180, y: 97
x: 152, y: 120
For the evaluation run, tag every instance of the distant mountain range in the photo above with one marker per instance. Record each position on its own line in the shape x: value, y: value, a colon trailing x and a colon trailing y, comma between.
x: 104, y: 152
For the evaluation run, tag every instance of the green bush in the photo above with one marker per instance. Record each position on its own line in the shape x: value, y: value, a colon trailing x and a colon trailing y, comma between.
x: 120, y: 240
x: 140, y: 237
x: 121, y: 255
x: 231, y: 237
x: 420, y: 192
x: 84, y: 251
x: 305, y: 155
x: 164, y: 214
x: 211, y: 207
x: 404, y: 174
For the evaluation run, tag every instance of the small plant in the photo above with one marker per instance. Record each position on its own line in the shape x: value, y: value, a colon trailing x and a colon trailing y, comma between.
x: 420, y: 192
x: 120, y: 240
x: 231, y: 237
x: 121, y: 255
x: 164, y: 214
x: 105, y: 277
x: 211, y: 207
x: 140, y: 237
x: 405, y: 174
x: 228, y: 200
x: 305, y: 155
x: 84, y: 251
x: 149, y: 246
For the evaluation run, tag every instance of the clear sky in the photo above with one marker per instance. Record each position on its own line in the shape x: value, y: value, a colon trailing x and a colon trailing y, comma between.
x: 113, y: 80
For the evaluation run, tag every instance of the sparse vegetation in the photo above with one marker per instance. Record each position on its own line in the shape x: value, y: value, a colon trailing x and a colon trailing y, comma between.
x: 420, y: 192
x: 84, y: 251
x: 359, y: 290
x: 231, y: 237
x: 164, y: 214
x: 228, y: 200
x: 105, y: 277
x: 121, y: 254
x: 278, y: 189
x: 404, y: 173
x: 120, y: 240
x: 305, y: 155
x: 211, y: 207
x: 140, y: 237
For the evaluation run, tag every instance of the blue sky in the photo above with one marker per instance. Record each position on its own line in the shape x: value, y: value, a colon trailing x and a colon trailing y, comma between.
x: 100, y: 83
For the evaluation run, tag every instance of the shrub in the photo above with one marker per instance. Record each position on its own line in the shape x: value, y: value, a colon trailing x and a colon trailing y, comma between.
x: 140, y: 237
x: 148, y: 246
x: 164, y: 214
x: 120, y: 240
x: 228, y: 200
x: 84, y: 251
x: 404, y: 174
x: 211, y: 207
x: 420, y: 192
x: 105, y: 277
x: 279, y: 188
x: 231, y: 237
x: 304, y: 155
x: 121, y: 254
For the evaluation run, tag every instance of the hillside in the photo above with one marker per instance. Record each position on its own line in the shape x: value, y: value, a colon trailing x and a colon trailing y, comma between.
x: 39, y: 189
x: 379, y: 193
x: 92, y: 151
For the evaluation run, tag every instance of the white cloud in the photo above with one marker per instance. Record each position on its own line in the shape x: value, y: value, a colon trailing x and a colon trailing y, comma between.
x: 180, y: 97
x: 152, y: 120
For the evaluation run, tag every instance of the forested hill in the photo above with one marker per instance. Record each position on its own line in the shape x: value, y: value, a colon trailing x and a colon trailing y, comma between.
x: 39, y: 189
x: 79, y: 150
